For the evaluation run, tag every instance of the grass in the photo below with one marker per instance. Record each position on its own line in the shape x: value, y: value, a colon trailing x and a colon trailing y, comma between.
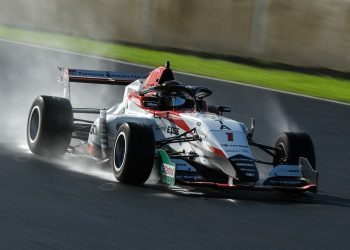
x: 312, y: 85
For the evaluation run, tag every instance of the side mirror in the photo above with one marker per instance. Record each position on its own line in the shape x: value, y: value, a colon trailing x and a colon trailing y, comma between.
x: 252, y: 126
x: 223, y: 109
x: 151, y: 104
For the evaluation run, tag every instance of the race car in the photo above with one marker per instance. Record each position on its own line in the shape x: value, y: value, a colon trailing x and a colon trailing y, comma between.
x: 165, y: 125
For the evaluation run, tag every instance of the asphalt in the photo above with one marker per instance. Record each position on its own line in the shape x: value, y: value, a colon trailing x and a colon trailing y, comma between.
x: 72, y: 204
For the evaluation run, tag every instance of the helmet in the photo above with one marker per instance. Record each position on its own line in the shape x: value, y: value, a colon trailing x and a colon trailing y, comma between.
x: 173, y: 100
x: 171, y: 83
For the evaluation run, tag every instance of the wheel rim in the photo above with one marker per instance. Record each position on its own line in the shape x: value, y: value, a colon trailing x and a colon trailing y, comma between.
x: 34, y: 124
x: 282, y: 156
x: 119, y: 151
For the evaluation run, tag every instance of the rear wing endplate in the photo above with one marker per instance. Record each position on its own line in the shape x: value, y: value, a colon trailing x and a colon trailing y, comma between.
x: 66, y: 76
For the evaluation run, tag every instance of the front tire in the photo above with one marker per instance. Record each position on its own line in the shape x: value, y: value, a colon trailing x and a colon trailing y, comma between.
x: 49, y: 126
x: 291, y: 146
x: 133, y: 153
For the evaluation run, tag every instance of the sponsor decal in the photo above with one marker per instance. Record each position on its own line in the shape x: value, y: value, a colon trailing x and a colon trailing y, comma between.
x: 234, y: 145
x: 168, y: 170
x: 233, y: 151
x: 233, y: 148
x: 287, y: 182
x: 286, y: 170
x: 229, y: 136
x: 222, y: 125
x: 92, y: 73
x: 172, y: 130
x: 182, y: 165
x: 168, y: 174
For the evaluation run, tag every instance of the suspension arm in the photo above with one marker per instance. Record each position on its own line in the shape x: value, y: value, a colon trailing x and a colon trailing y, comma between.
x: 178, y: 138
x: 267, y: 149
x: 264, y: 162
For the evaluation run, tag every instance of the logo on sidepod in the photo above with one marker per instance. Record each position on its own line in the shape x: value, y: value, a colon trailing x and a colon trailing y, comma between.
x: 168, y: 170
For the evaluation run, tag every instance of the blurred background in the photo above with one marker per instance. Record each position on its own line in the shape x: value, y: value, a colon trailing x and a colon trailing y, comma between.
x: 303, y: 33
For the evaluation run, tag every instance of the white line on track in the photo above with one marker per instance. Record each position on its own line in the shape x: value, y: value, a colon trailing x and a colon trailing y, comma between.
x: 181, y: 73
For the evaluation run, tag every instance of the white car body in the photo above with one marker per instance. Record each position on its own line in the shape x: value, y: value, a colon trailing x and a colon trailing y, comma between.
x: 205, y: 142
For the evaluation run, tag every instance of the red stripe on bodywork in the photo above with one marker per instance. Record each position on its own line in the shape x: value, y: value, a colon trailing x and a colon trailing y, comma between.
x: 217, y: 151
x: 171, y: 116
x: 135, y: 98
x: 310, y: 187
x: 179, y: 121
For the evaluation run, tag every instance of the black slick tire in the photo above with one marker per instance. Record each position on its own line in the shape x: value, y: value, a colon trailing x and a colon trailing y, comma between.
x: 49, y: 126
x: 291, y: 146
x: 133, y: 153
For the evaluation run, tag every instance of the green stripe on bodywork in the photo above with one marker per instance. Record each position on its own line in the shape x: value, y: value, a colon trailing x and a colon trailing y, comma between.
x: 167, y: 168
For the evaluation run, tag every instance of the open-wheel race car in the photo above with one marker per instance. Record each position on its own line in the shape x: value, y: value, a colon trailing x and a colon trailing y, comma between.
x: 166, y: 125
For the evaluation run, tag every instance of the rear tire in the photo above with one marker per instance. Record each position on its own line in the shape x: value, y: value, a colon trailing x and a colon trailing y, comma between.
x: 49, y: 127
x: 133, y: 153
x: 292, y: 146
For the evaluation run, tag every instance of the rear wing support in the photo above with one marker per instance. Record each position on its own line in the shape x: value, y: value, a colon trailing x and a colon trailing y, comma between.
x: 66, y: 76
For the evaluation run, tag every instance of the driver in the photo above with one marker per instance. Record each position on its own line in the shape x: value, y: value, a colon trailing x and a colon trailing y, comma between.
x: 174, y: 100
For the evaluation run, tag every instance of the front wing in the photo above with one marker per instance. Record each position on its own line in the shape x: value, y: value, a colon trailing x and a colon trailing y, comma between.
x: 298, y: 178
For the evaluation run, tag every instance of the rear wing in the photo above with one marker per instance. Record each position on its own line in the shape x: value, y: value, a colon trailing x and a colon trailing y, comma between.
x: 66, y: 76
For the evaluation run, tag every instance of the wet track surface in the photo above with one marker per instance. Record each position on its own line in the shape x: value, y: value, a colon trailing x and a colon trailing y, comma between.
x: 74, y: 205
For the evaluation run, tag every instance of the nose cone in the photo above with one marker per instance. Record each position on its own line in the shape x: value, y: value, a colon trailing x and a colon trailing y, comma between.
x: 227, y: 147
x: 233, y: 154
